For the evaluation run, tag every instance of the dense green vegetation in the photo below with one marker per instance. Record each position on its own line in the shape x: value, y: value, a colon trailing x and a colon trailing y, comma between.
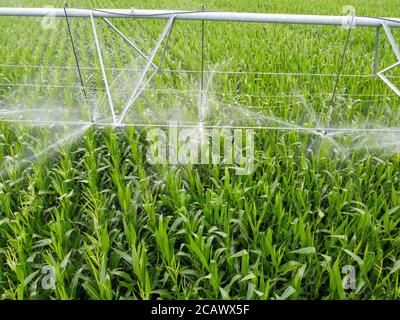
x: 112, y: 226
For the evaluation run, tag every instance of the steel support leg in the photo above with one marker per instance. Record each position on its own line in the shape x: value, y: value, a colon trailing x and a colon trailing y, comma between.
x: 103, y: 70
x: 376, y: 61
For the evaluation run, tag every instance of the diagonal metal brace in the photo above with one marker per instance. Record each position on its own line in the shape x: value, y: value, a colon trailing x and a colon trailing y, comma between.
x: 392, y: 40
x: 138, y: 88
x: 127, y: 40
x: 396, y: 51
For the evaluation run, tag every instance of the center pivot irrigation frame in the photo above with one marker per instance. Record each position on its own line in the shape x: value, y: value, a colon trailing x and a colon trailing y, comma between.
x: 171, y: 16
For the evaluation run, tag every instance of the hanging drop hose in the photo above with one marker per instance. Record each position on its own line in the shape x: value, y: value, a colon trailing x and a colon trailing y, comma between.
x: 202, y: 51
x: 334, y: 94
x: 201, y: 115
x: 77, y: 61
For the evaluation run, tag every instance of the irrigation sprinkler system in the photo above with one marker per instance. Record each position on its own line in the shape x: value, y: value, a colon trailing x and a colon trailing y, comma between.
x: 151, y: 69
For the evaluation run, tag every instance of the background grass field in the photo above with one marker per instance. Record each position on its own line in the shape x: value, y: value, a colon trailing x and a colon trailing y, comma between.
x: 112, y: 226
